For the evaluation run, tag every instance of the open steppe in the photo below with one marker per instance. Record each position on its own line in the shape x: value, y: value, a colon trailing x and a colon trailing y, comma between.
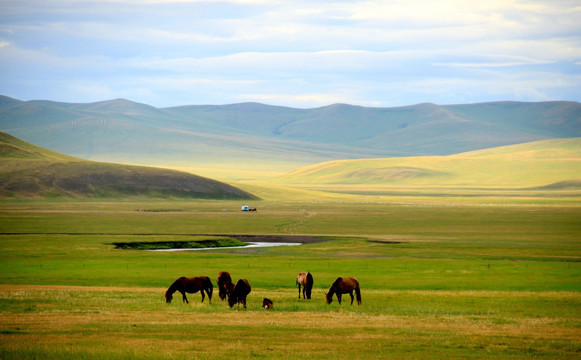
x: 485, y: 277
x: 473, y: 255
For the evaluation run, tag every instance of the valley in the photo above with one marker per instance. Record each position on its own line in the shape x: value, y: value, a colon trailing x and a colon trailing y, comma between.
x: 460, y: 255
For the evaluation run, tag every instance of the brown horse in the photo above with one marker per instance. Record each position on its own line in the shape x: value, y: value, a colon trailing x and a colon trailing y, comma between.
x: 267, y: 304
x: 190, y: 285
x: 306, y: 280
x: 344, y: 286
x: 239, y: 293
x: 225, y: 285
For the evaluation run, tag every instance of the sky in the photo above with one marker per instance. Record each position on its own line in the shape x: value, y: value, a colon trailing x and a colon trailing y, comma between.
x: 301, y: 53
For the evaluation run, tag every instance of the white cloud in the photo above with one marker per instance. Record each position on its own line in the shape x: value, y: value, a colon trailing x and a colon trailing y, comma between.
x: 293, y: 52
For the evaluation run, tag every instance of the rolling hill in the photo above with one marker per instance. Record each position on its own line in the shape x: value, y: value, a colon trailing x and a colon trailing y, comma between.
x: 27, y: 170
x: 263, y: 137
x: 549, y: 164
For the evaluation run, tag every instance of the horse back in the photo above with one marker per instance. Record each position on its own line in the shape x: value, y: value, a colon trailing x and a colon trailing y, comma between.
x: 242, y: 287
x: 305, y: 278
x: 302, y: 278
x: 346, y: 284
x: 350, y: 283
x: 195, y: 284
x: 224, y: 278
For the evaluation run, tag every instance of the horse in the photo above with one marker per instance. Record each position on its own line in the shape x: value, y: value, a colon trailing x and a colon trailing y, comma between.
x: 225, y: 285
x: 190, y: 285
x: 267, y: 304
x: 239, y: 293
x: 306, y: 280
x: 344, y: 286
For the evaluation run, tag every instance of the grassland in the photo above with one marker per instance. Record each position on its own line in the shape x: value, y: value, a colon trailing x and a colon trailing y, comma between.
x: 475, y: 255
x: 486, y: 277
x: 30, y: 171
x: 520, y: 166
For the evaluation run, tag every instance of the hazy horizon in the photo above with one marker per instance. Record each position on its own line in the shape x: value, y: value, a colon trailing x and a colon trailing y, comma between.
x: 291, y: 53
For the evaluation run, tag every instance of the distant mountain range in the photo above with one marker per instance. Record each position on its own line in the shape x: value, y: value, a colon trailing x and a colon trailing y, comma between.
x: 27, y: 170
x: 202, y: 135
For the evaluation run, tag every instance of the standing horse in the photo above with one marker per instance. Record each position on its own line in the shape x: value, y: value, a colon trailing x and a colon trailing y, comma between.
x: 344, y: 286
x: 306, y: 280
x: 225, y: 285
x: 190, y: 285
x: 239, y: 293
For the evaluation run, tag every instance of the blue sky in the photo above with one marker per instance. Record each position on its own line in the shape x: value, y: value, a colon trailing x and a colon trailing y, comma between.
x: 292, y: 53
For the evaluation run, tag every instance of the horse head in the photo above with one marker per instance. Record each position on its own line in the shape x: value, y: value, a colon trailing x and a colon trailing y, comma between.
x: 231, y: 300
x: 168, y: 297
x: 329, y: 298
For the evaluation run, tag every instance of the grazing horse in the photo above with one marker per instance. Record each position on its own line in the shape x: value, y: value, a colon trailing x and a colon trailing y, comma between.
x: 267, y: 304
x: 344, y: 286
x: 190, y: 285
x: 239, y: 293
x: 306, y: 280
x: 225, y: 285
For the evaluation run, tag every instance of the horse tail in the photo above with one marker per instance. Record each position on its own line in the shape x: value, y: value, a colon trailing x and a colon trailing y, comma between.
x: 309, y: 285
x: 210, y: 288
x: 358, y: 294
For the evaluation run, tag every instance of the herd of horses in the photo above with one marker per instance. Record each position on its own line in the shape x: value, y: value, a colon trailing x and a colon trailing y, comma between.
x: 237, y: 293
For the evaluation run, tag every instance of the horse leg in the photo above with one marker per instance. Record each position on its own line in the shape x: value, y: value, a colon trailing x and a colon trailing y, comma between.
x: 209, y: 291
x: 299, y: 291
x: 203, y: 296
x: 244, y: 301
x: 185, y: 299
x: 339, y: 298
x: 351, y: 294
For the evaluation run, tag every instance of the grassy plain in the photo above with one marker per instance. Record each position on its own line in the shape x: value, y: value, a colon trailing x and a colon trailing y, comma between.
x: 441, y: 277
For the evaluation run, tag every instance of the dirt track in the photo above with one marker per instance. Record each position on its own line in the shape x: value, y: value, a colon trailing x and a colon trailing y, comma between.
x: 303, y: 239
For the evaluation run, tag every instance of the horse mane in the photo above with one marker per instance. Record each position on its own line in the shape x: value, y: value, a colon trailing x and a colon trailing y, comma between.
x: 331, y: 291
x: 334, y: 287
x: 172, y: 287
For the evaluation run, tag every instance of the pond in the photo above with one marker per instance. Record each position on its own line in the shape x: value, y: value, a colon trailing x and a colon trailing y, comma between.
x: 250, y: 245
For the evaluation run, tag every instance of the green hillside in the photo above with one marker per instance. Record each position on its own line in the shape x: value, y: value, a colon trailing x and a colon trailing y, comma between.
x: 258, y: 137
x: 538, y: 164
x: 27, y: 170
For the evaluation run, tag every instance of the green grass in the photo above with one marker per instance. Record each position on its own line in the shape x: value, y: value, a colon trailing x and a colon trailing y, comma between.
x: 120, y: 323
x: 29, y: 171
x: 439, y: 280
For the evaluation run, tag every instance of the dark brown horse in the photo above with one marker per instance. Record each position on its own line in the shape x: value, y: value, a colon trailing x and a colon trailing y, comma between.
x: 239, y: 293
x: 190, y: 285
x: 344, y: 286
x: 306, y: 280
x: 267, y: 304
x: 225, y: 285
